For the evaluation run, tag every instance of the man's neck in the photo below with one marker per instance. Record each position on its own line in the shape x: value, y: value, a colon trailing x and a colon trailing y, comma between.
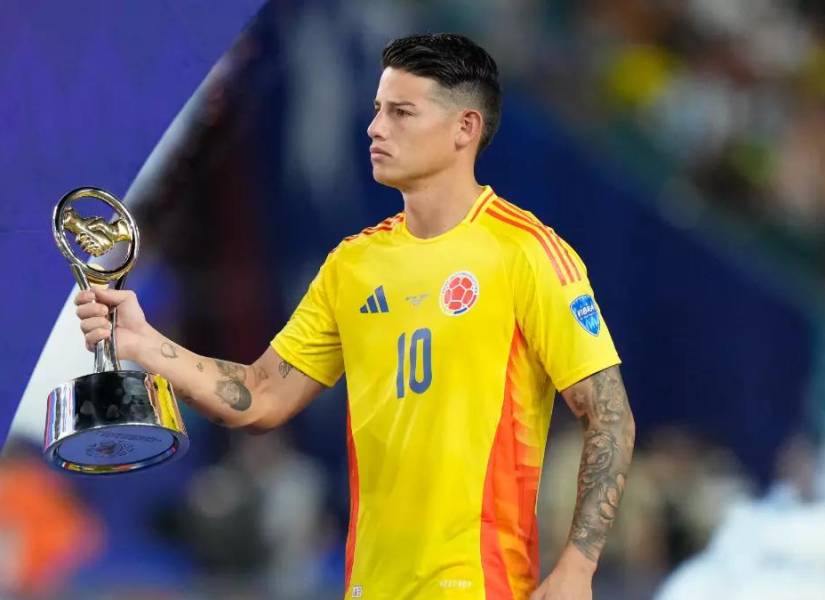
x: 439, y: 204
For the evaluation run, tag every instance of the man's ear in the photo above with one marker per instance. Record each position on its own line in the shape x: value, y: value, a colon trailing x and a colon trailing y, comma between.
x: 470, y: 126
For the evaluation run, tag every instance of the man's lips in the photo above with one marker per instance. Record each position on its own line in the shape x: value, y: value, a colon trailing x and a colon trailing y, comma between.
x: 378, y: 152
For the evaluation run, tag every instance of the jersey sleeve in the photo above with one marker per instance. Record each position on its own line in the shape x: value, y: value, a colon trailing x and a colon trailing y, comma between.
x: 310, y: 340
x: 558, y: 314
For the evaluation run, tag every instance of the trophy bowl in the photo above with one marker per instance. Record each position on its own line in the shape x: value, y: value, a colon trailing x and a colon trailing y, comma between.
x: 113, y: 420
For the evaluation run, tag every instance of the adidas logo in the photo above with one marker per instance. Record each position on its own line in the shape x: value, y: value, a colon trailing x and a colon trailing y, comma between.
x: 377, y: 302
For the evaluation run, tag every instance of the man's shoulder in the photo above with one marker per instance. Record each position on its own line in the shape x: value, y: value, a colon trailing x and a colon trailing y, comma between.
x: 378, y: 233
x: 513, y: 226
x: 528, y: 237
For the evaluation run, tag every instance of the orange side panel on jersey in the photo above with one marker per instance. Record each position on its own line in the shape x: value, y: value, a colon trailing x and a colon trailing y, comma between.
x: 532, y: 230
x: 509, y: 532
x: 353, y: 504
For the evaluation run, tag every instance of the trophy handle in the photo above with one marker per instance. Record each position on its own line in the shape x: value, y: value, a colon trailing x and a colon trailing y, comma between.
x: 106, y: 358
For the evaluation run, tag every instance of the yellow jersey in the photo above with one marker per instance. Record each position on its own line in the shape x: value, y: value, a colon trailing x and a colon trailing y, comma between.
x: 453, y: 347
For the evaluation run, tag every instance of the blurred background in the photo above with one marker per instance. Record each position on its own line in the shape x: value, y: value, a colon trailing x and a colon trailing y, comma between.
x: 679, y: 146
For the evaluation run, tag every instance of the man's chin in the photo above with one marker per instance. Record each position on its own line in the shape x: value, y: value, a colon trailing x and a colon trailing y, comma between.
x: 384, y: 178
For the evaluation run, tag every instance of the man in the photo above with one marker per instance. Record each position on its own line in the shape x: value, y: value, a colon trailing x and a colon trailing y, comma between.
x: 455, y: 321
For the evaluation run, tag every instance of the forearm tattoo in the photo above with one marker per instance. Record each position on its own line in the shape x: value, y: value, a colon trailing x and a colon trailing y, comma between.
x: 231, y: 370
x: 600, y: 402
x: 168, y: 350
x: 231, y: 389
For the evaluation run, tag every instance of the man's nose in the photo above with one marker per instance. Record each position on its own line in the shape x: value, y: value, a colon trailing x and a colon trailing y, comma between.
x: 376, y: 129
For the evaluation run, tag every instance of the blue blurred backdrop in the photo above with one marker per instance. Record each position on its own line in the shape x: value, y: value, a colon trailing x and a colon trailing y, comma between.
x: 704, y: 253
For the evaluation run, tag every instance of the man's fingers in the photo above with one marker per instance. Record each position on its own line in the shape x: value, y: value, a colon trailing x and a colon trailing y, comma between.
x: 103, y: 295
x: 93, y: 337
x: 89, y: 325
x: 112, y: 297
x: 92, y: 309
x: 84, y: 297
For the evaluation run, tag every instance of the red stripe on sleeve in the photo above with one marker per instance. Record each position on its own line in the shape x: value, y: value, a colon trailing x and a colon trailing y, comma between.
x: 566, y: 253
x: 481, y: 205
x: 387, y: 224
x: 536, y: 235
x: 519, y: 214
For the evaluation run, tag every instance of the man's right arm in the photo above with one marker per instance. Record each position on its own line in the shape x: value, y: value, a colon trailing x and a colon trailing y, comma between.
x: 259, y: 396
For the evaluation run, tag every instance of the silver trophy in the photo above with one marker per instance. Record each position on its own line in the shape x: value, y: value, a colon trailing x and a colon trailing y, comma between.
x: 113, y: 420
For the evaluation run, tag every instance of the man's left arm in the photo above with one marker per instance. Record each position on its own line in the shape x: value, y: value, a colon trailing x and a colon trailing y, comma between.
x: 600, y: 403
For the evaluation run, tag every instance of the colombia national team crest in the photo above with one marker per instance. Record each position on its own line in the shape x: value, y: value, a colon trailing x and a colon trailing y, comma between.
x: 459, y: 293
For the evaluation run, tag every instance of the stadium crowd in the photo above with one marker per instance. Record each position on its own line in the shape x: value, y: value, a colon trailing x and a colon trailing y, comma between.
x: 729, y: 96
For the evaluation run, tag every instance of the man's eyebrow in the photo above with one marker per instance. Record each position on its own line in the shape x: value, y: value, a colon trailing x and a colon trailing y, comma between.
x: 393, y: 104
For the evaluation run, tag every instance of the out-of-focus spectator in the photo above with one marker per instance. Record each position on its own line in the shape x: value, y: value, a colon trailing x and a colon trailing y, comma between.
x: 729, y: 94
x: 46, y: 533
x: 256, y: 521
x: 799, y: 198
x: 679, y: 490
x: 768, y: 548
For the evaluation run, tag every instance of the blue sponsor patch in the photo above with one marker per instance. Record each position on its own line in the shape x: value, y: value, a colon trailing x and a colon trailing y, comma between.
x: 586, y: 313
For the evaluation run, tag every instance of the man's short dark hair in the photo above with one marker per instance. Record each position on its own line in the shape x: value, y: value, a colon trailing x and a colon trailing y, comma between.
x: 458, y: 64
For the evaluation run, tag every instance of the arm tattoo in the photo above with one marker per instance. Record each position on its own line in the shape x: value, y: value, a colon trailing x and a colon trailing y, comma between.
x: 231, y: 370
x: 284, y: 368
x: 233, y: 393
x: 231, y: 389
x: 261, y: 374
x: 168, y: 350
x: 200, y: 367
x: 600, y: 402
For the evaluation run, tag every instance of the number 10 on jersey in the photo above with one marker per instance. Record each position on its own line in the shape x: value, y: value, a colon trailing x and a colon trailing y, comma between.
x: 420, y: 349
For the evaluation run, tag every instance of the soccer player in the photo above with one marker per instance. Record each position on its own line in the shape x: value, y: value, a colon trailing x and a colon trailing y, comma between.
x: 455, y: 321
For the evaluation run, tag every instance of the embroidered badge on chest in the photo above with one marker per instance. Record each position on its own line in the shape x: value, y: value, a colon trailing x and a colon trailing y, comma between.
x: 459, y: 293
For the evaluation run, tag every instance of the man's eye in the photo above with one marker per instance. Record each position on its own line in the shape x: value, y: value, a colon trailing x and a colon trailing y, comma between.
x: 398, y: 112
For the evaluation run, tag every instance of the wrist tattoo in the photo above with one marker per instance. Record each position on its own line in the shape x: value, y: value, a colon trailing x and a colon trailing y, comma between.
x: 200, y: 367
x: 168, y: 350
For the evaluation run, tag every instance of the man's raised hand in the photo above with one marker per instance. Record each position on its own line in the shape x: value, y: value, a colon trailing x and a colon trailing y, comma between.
x: 93, y: 311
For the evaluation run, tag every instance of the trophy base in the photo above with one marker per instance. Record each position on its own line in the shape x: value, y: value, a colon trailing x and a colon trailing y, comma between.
x: 113, y: 422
